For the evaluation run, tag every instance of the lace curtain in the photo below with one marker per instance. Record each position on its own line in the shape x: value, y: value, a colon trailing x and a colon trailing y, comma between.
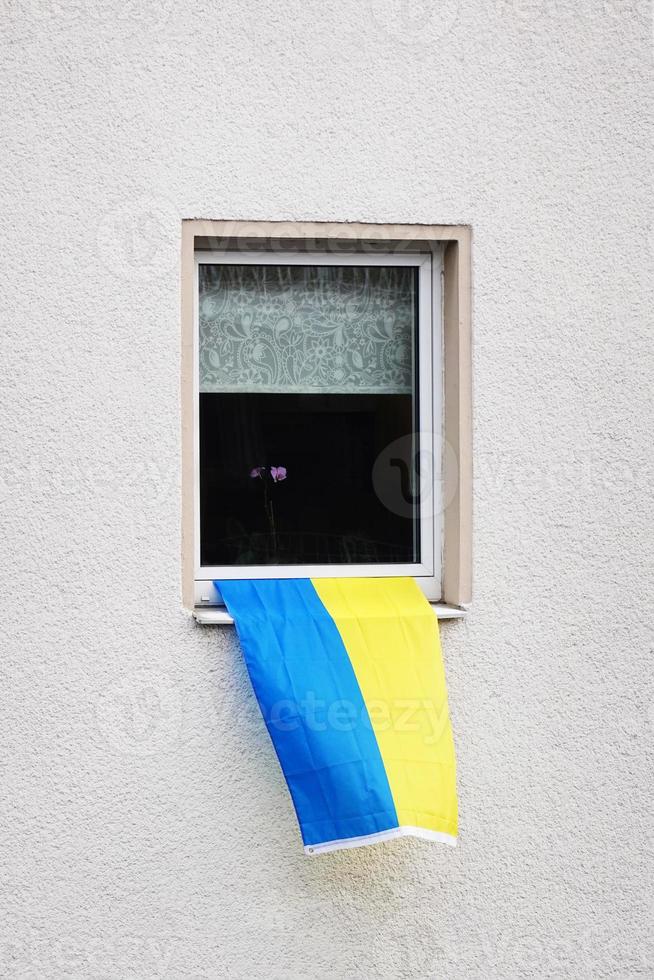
x: 291, y: 328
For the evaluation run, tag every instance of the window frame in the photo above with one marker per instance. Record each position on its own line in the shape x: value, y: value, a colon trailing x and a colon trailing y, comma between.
x: 429, y: 366
x: 455, y: 241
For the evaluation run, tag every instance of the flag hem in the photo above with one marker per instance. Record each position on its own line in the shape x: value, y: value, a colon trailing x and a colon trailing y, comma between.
x: 379, y: 837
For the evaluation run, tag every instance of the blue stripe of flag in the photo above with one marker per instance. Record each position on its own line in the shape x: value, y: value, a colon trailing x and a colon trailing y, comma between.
x: 313, y: 708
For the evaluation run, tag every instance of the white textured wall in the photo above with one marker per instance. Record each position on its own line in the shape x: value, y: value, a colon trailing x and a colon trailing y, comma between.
x: 145, y: 828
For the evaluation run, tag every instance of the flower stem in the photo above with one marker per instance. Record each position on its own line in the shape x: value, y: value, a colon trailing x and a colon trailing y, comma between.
x: 270, y: 514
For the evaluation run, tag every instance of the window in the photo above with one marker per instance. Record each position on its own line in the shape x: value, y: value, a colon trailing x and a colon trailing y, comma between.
x: 317, y: 411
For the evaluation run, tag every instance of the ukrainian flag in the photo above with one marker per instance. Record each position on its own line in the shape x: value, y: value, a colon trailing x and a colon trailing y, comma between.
x: 349, y: 678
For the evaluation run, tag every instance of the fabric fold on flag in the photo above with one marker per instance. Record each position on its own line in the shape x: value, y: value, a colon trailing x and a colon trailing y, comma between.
x: 349, y: 677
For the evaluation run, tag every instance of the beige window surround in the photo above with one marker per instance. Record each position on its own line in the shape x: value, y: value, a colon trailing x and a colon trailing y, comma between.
x: 457, y: 408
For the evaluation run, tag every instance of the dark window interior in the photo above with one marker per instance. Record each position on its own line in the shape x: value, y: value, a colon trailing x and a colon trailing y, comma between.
x: 327, y: 509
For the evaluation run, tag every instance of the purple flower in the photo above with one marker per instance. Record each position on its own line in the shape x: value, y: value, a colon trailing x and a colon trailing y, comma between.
x: 257, y: 471
x: 278, y: 473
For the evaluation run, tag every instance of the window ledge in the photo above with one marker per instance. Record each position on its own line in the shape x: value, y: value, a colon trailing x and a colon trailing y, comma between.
x: 220, y: 617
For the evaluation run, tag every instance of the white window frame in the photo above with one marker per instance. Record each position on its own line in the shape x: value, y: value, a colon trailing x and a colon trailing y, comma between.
x: 427, y: 572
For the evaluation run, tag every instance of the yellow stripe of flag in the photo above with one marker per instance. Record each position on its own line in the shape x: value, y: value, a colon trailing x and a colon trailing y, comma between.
x: 391, y: 635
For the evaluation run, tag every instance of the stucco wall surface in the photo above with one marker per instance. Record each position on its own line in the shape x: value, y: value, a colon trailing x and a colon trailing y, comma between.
x: 144, y: 827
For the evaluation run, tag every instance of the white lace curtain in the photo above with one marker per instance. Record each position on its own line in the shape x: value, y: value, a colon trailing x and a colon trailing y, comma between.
x: 291, y: 328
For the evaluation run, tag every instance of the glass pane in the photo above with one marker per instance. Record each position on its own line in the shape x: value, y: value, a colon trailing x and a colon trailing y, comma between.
x: 306, y: 328
x: 307, y: 377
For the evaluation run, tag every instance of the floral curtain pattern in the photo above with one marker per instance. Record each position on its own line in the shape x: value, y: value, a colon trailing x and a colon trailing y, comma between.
x: 291, y: 328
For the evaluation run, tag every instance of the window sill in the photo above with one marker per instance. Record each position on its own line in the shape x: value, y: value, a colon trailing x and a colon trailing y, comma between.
x: 220, y: 617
